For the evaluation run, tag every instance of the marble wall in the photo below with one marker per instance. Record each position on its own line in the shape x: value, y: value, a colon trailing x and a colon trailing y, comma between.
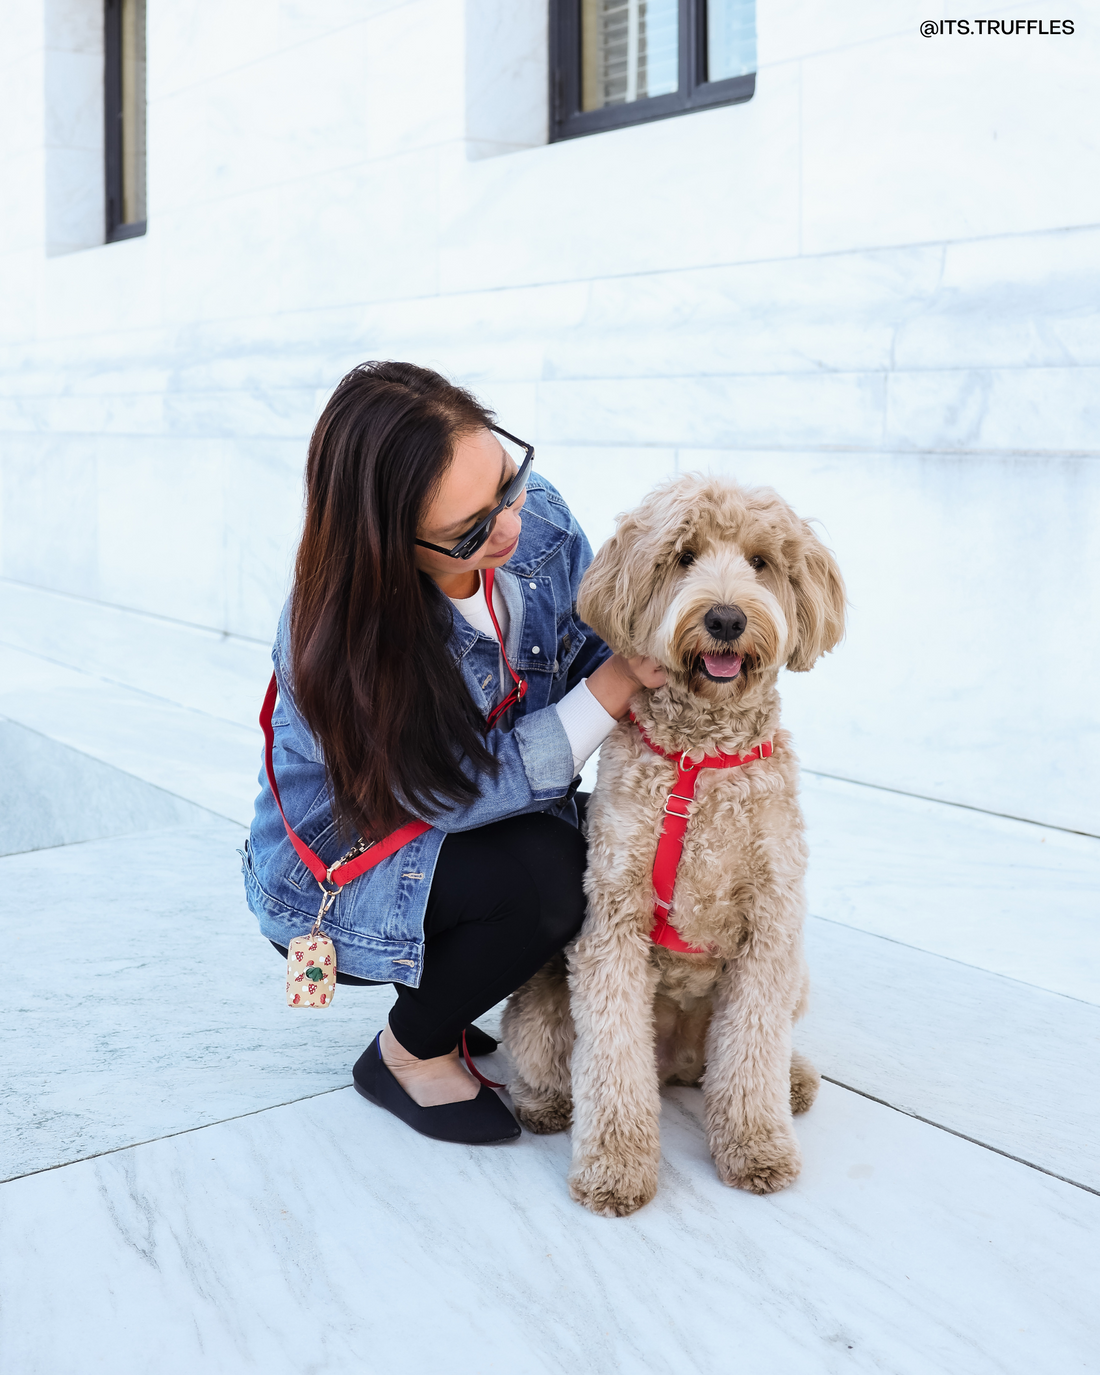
x: 873, y: 286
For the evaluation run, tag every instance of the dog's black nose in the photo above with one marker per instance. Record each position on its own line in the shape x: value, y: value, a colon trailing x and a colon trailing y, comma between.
x: 725, y: 622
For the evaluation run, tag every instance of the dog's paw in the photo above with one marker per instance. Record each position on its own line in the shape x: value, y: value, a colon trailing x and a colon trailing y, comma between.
x: 805, y: 1082
x: 761, y: 1164
x: 543, y: 1111
x: 610, y: 1189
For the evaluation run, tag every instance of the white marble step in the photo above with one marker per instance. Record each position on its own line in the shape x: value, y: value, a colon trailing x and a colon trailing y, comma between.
x: 203, y: 758
x: 219, y: 675
x: 154, y: 1005
x: 325, y: 1236
x: 1003, y: 895
x: 53, y: 795
x: 1012, y: 1066
x: 166, y: 1012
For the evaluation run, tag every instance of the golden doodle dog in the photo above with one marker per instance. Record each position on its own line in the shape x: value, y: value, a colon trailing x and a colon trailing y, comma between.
x: 689, y: 966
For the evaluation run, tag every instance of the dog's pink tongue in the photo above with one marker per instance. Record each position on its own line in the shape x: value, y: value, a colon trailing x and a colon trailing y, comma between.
x: 723, y: 665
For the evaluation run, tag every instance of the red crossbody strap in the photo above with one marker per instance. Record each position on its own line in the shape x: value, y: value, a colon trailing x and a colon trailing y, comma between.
x: 519, y: 689
x: 343, y: 873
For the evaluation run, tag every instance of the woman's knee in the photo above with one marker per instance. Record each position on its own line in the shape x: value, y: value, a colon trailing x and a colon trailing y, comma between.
x: 526, y: 873
x: 557, y: 864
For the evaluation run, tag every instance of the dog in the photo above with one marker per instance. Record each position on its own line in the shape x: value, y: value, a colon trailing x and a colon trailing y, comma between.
x: 724, y: 585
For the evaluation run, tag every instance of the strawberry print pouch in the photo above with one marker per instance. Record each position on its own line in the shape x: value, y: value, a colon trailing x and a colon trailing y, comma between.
x: 310, y: 971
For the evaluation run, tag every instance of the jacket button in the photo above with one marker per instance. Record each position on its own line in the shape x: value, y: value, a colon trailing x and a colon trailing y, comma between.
x: 535, y: 649
x: 533, y: 586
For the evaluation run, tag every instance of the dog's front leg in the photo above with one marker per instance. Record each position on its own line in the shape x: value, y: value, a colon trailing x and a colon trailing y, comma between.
x: 747, y: 1085
x: 616, y: 1103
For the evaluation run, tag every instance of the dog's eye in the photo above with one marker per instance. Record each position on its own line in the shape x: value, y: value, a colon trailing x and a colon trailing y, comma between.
x: 687, y: 558
x: 757, y: 562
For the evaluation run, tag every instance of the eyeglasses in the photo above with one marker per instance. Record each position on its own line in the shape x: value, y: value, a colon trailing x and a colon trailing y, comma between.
x: 472, y: 541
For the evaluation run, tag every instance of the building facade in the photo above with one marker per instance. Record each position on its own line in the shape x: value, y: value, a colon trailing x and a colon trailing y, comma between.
x: 873, y: 285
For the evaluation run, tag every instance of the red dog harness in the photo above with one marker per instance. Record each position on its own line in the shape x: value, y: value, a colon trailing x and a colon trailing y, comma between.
x: 670, y: 844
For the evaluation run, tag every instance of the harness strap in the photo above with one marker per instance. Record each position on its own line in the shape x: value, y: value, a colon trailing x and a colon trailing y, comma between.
x: 670, y: 843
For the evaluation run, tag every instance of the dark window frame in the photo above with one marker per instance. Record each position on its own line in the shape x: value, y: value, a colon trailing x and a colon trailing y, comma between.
x: 568, y: 120
x: 112, y: 109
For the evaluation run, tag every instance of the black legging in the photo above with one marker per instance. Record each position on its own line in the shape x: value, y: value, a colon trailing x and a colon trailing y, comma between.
x: 504, y: 898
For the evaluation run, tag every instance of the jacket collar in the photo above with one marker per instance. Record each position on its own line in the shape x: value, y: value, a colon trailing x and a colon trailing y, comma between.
x: 463, y: 636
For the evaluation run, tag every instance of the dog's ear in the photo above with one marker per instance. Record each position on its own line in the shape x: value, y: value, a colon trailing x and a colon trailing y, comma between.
x: 618, y: 574
x: 819, y: 602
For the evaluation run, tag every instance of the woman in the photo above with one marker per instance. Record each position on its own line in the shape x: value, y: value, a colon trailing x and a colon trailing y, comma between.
x: 398, y: 700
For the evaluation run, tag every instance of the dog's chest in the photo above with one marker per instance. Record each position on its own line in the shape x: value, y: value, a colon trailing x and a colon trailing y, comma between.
x: 744, y: 834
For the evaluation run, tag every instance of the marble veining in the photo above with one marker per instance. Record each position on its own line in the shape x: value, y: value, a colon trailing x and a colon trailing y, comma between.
x: 162, y: 1007
x: 325, y: 1236
x: 1008, y: 1064
x: 1002, y: 895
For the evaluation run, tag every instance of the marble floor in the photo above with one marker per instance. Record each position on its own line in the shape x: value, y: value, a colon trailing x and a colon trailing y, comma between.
x: 190, y: 1184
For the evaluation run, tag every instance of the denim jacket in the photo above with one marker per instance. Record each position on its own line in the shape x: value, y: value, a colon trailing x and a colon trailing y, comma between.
x: 377, y: 923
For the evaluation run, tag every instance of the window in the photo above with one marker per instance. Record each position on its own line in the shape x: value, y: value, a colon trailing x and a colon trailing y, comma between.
x: 124, y: 98
x: 616, y: 62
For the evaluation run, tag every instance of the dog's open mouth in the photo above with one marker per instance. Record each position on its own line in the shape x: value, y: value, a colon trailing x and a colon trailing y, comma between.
x: 719, y: 668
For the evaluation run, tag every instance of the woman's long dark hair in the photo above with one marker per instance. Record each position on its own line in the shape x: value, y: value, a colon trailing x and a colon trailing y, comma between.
x: 373, y: 675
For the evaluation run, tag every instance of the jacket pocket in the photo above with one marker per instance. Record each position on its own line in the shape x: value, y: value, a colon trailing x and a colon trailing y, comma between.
x: 318, y: 829
x: 569, y: 642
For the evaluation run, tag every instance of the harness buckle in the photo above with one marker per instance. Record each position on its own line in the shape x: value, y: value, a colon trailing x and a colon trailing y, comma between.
x: 688, y: 802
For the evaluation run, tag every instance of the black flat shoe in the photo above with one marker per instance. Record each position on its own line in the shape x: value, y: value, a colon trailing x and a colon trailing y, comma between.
x: 479, y: 1042
x: 480, y: 1121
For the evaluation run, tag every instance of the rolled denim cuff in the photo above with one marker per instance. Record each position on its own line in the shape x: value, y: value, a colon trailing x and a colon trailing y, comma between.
x: 545, y: 752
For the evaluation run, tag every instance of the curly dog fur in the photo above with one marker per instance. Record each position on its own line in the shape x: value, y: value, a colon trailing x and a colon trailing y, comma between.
x: 595, y: 1033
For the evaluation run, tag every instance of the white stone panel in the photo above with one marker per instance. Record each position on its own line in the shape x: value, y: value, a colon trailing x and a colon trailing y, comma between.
x: 974, y: 888
x: 49, y: 504
x: 911, y: 139
x: 720, y: 185
x: 599, y: 483
x: 77, y: 295
x: 160, y: 519
x: 507, y: 86
x: 792, y: 411
x: 73, y: 130
x: 790, y: 29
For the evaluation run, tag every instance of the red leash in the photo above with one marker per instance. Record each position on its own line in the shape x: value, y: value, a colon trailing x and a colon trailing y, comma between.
x: 670, y: 844
x: 489, y: 1083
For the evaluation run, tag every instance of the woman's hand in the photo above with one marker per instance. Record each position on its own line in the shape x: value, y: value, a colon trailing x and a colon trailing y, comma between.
x: 647, y: 670
x: 616, y: 681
